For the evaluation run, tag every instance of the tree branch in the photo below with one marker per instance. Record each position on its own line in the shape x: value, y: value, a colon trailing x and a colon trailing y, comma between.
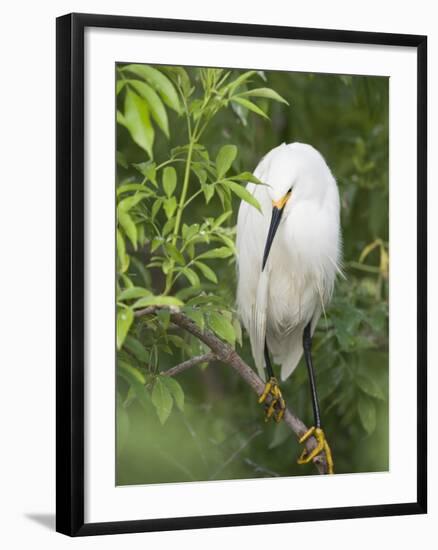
x: 225, y: 353
x: 177, y: 369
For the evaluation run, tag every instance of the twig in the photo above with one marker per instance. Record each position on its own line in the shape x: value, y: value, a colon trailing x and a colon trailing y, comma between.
x: 177, y: 369
x: 236, y: 454
x: 225, y: 353
x: 259, y: 468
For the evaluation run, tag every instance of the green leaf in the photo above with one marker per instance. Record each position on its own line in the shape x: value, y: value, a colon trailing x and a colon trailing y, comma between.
x: 222, y: 327
x: 155, y: 104
x: 130, y: 373
x: 138, y: 123
x: 183, y: 150
x: 121, y: 160
x: 190, y: 231
x: 248, y: 176
x: 208, y: 190
x: 224, y: 200
x: 201, y: 174
x: 250, y: 106
x: 126, y: 281
x: 241, y: 112
x: 344, y: 332
x: 136, y: 382
x: 164, y: 316
x: 162, y: 400
x: 238, y: 330
x: 229, y: 242
x: 221, y: 252
x: 221, y: 219
x: 191, y: 276
x: 180, y: 77
x: 367, y: 413
x: 169, y: 180
x: 206, y: 271
x: 170, y: 206
x: 196, y: 108
x: 157, y: 301
x: 120, y: 85
x: 166, y: 266
x: 142, y: 271
x: 121, y: 119
x: 168, y: 226
x: 122, y: 257
x: 156, y: 242
x: 177, y: 341
x: 159, y: 82
x: 129, y: 187
x: 129, y: 227
x: 156, y: 208
x: 136, y: 348
x: 176, y: 391
x: 203, y: 299
x: 175, y: 254
x: 128, y: 203
x: 233, y: 85
x: 244, y: 194
x: 133, y: 376
x: 264, y: 92
x: 133, y: 293
x: 370, y: 387
x: 225, y: 159
x: 191, y: 250
x: 196, y: 316
x: 141, y: 234
x: 125, y: 316
x: 148, y: 170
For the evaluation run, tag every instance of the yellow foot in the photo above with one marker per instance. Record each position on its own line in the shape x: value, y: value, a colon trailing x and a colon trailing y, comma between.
x: 322, y: 446
x: 276, y: 407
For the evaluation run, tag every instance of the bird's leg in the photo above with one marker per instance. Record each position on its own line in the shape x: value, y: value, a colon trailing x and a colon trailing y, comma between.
x: 276, y: 407
x: 316, y: 430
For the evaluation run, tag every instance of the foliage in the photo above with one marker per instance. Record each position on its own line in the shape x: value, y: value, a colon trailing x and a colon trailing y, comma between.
x: 179, y: 184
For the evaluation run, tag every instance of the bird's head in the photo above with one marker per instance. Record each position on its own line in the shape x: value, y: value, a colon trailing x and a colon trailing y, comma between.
x: 293, y: 173
x: 280, y: 178
x: 280, y: 175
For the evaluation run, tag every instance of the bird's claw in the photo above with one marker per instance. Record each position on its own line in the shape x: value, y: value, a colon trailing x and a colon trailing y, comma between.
x: 276, y: 407
x: 322, y: 446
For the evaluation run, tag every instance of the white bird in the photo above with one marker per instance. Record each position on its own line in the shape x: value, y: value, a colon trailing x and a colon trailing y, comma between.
x: 288, y: 257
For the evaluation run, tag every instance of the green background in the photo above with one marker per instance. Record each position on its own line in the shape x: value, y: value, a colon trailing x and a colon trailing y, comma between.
x: 221, y: 433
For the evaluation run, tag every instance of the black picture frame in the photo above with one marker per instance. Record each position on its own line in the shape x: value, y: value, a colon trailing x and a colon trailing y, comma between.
x: 70, y: 272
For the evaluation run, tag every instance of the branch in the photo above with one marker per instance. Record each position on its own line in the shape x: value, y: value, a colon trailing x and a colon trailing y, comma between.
x: 225, y: 353
x: 177, y: 369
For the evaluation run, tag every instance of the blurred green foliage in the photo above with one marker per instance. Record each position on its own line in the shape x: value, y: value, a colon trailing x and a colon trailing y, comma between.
x: 187, y: 142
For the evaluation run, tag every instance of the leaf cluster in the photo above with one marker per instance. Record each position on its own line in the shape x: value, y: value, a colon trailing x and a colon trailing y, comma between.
x: 164, y: 257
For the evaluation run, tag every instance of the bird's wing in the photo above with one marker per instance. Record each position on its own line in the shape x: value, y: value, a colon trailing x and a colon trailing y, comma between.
x: 253, y: 284
x: 257, y: 325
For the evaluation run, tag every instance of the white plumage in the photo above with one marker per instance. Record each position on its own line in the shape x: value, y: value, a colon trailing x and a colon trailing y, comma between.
x: 298, y: 279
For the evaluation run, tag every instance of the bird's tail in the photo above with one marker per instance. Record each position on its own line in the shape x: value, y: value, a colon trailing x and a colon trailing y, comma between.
x: 289, y: 352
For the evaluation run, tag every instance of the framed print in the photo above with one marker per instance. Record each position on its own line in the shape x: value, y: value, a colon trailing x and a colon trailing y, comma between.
x: 241, y: 274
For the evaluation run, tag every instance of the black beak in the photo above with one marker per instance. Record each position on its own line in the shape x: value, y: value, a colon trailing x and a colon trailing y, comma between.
x: 275, y: 222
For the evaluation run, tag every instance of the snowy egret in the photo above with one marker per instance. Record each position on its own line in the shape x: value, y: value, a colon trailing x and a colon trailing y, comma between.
x: 288, y: 257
